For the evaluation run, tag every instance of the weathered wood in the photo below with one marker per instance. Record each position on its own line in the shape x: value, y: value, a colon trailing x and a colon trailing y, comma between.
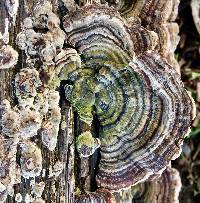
x: 57, y: 189
x: 76, y: 171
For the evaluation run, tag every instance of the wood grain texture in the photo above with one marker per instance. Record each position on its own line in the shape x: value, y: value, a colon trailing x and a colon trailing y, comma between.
x: 57, y: 189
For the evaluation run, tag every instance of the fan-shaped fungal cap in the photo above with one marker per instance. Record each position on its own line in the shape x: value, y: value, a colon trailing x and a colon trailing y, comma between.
x: 141, y: 104
x: 31, y: 159
x: 86, y: 144
x: 8, y: 57
x: 158, y: 116
x: 10, y: 123
x: 23, y: 123
x: 42, y: 44
x: 155, y: 16
x: 100, y: 196
x: 50, y: 127
x: 49, y: 135
x: 8, y: 168
x: 27, y: 82
x: 150, y: 11
x: 30, y: 123
x: 164, y: 190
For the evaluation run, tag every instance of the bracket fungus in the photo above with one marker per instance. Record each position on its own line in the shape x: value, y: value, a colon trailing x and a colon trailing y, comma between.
x: 164, y: 189
x: 8, y: 57
x: 31, y: 159
x: 120, y: 69
x: 27, y: 83
x: 9, y: 170
x: 20, y: 123
x: 86, y: 144
x: 140, y: 102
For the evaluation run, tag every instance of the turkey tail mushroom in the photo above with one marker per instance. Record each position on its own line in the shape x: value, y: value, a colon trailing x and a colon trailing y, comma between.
x: 157, y: 16
x: 165, y: 189
x: 141, y: 104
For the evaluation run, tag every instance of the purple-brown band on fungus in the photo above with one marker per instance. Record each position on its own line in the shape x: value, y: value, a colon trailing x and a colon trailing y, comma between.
x: 139, y: 99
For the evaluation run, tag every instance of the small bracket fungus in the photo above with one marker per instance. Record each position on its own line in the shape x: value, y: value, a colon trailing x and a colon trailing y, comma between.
x: 86, y: 144
x: 27, y: 82
x: 37, y: 189
x: 142, y: 107
x: 31, y: 160
x: 9, y: 170
x: 50, y: 126
x: 18, y: 197
x: 164, y: 189
x: 22, y: 123
x: 8, y: 57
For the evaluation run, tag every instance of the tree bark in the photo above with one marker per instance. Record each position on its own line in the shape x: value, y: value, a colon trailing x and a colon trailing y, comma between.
x: 61, y: 188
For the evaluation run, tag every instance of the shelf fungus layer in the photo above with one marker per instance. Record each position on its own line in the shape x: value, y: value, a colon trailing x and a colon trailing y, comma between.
x: 139, y: 99
x: 165, y: 189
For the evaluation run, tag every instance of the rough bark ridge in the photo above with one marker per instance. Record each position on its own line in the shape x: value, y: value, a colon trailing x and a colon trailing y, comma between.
x: 58, y: 188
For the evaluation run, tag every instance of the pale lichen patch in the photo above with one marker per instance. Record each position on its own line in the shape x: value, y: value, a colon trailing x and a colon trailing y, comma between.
x: 31, y: 159
x: 8, y: 57
x: 37, y: 189
x: 18, y: 197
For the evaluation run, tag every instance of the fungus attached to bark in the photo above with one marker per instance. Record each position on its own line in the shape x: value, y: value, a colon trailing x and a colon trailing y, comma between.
x: 86, y: 144
x: 27, y: 82
x: 9, y: 170
x: 164, y: 189
x: 31, y: 159
x: 120, y: 71
x: 50, y: 126
x: 142, y: 107
x: 8, y: 57
x: 22, y: 123
x: 158, y: 17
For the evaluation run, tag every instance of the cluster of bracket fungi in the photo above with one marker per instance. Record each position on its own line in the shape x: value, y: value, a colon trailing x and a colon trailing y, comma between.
x: 122, y: 70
